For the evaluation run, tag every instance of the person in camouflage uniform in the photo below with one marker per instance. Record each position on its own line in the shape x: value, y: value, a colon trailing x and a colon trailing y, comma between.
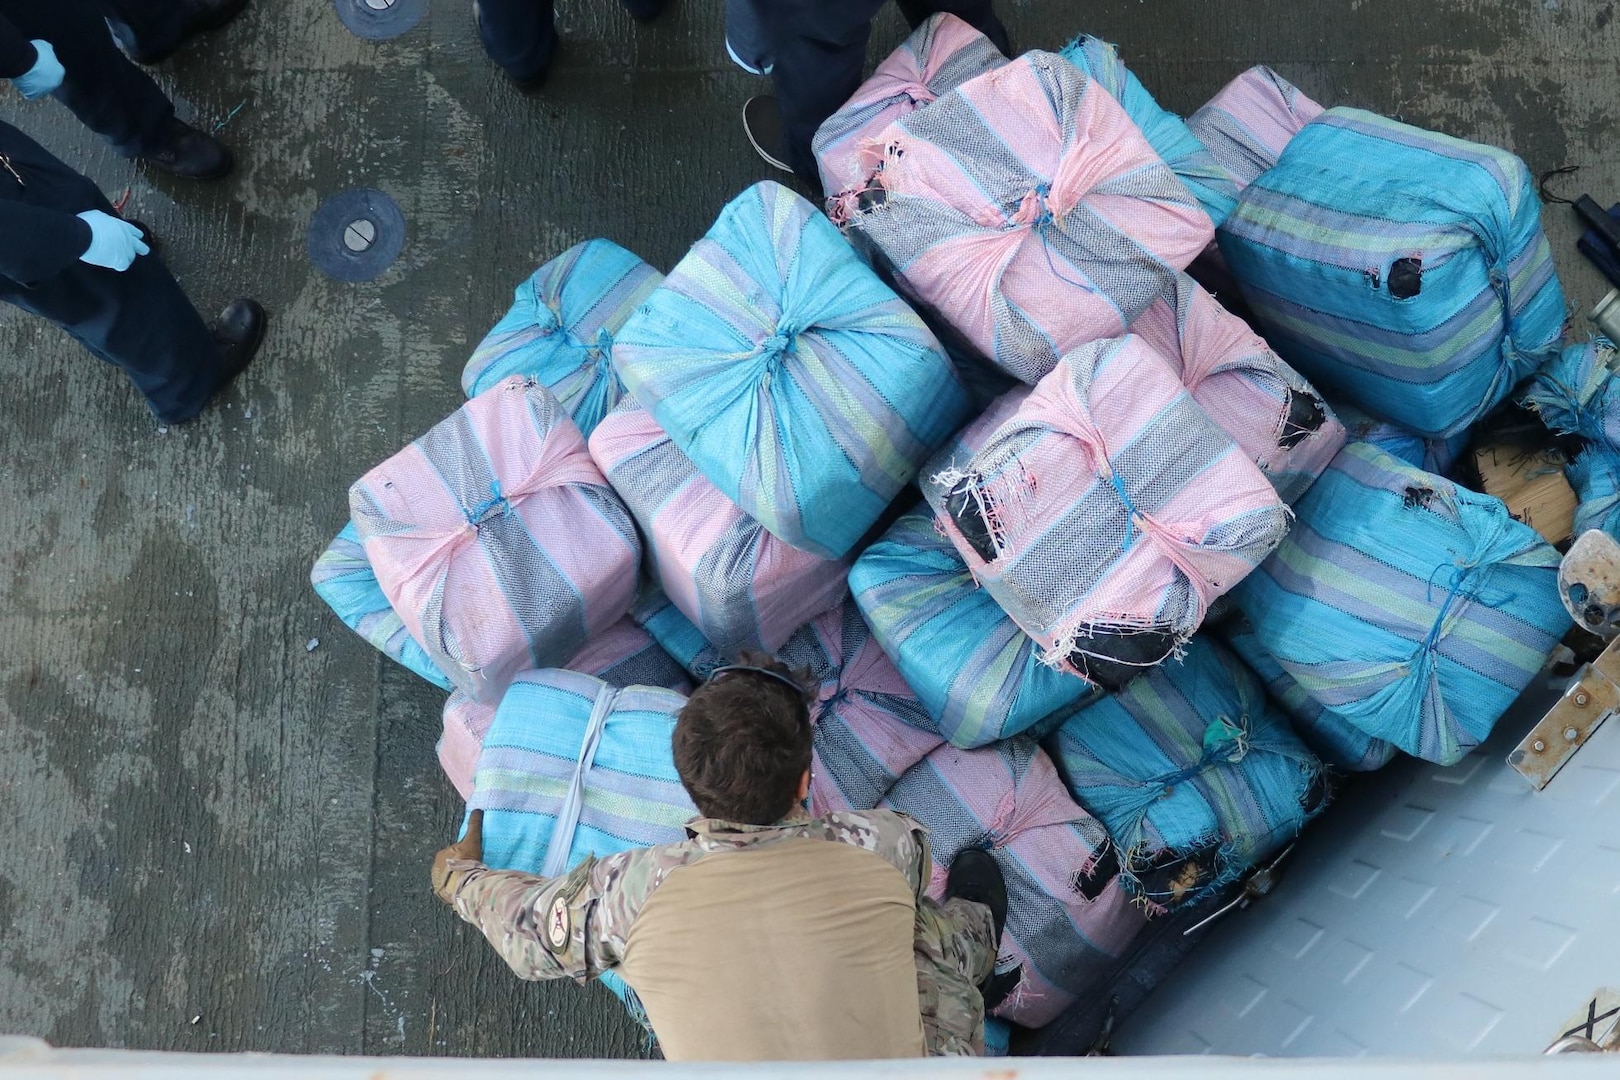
x: 596, y: 917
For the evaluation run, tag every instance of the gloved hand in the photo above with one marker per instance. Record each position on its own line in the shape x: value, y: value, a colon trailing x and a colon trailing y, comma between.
x: 114, y: 242
x: 44, y: 77
x: 446, y: 881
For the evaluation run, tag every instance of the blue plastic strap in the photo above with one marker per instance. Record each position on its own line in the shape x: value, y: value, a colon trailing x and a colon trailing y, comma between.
x: 562, y: 833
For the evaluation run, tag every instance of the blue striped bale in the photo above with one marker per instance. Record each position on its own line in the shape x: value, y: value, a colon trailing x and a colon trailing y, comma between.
x: 1402, y: 270
x: 343, y: 577
x: 1411, y: 608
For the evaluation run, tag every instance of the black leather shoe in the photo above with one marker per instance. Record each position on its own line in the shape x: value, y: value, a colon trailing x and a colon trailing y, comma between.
x: 154, y: 246
x: 202, y: 16
x: 528, y: 83
x: 193, y: 154
x: 762, y: 122
x: 239, y: 331
x: 975, y: 875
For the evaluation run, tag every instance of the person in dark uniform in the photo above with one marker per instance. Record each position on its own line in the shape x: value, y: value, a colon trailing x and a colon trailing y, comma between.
x: 521, y: 35
x: 151, y: 30
x: 105, y: 90
x: 818, y: 48
x: 66, y: 256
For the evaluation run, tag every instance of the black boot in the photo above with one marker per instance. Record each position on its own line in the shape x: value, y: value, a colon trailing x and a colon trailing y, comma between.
x: 975, y: 875
x: 193, y: 154
x: 201, y: 17
x: 762, y: 122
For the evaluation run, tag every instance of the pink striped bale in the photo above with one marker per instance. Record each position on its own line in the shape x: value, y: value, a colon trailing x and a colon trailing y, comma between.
x: 939, y: 56
x: 1025, y: 209
x: 1268, y: 408
x: 622, y: 655
x: 1069, y: 918
x: 1108, y: 512
x: 497, y: 539
x: 1249, y: 122
x: 741, y: 586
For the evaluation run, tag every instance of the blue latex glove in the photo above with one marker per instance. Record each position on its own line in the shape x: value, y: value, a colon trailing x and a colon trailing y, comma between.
x: 44, y: 77
x: 114, y: 242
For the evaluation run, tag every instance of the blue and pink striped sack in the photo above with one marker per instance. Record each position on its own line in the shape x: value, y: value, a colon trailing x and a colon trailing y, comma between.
x: 622, y: 656
x: 790, y: 375
x: 1069, y: 917
x: 1027, y: 211
x: 559, y: 330
x: 1107, y: 513
x: 743, y: 587
x: 1167, y: 133
x: 941, y: 54
x: 1399, y: 269
x: 979, y: 676
x: 1274, y: 415
x: 497, y: 540
x: 1335, y: 740
x: 342, y: 576
x: 869, y: 726
x: 571, y: 767
x: 1412, y: 608
x: 1251, y: 121
x: 1190, y: 762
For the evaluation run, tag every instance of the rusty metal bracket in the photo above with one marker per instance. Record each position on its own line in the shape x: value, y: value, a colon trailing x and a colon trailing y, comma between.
x: 1590, y: 700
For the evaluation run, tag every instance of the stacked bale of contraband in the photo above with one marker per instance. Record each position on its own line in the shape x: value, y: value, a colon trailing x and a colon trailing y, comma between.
x: 1577, y: 394
x: 979, y: 676
x: 1409, y: 607
x: 1025, y: 209
x: 1192, y: 161
x: 795, y: 380
x: 941, y: 54
x: 622, y: 656
x: 1108, y: 512
x: 1398, y: 269
x: 743, y: 587
x: 1250, y: 122
x: 573, y: 767
x: 1334, y: 739
x: 497, y: 540
x: 1420, y: 451
x: 1273, y: 414
x: 343, y: 577
x: 559, y: 330
x: 1069, y: 917
x: 1191, y: 764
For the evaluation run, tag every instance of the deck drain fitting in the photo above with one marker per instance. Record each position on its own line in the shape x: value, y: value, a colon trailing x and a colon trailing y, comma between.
x: 356, y: 235
x: 379, y: 20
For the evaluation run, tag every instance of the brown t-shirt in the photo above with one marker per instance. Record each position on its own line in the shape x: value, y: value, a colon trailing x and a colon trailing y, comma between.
x: 800, y: 950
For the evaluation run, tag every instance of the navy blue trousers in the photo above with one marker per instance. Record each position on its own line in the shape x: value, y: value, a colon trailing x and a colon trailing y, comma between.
x: 521, y: 35
x: 820, y: 49
x: 104, y: 88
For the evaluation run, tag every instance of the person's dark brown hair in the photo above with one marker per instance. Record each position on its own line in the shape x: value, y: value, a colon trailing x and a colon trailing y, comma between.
x: 742, y: 742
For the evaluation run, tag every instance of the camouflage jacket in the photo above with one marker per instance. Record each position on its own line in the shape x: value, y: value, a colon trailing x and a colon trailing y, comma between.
x: 576, y: 925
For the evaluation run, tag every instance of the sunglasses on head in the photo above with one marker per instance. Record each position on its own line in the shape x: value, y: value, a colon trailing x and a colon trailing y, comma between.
x: 728, y: 669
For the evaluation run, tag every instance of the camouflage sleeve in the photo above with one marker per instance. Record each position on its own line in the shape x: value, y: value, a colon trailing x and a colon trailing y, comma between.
x: 573, y: 926
x: 898, y: 837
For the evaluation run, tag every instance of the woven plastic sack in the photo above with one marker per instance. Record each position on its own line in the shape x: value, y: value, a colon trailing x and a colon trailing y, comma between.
x: 1108, y: 512
x: 342, y: 576
x: 624, y: 655
x: 1250, y: 122
x: 572, y: 767
x: 869, y: 726
x: 1419, y: 451
x: 1069, y: 919
x: 497, y: 540
x: 1273, y: 414
x: 741, y: 586
x: 793, y: 378
x: 560, y: 329
x: 941, y: 54
x: 979, y: 676
x: 1169, y: 135
x: 1335, y: 740
x: 1576, y: 393
x: 1190, y: 761
x: 1408, y: 606
x: 1025, y: 209
x: 1402, y: 270
x: 1595, y: 476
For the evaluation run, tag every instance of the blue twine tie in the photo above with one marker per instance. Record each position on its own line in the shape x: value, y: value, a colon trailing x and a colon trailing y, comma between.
x: 1043, y: 225
x: 1459, y: 577
x: 1130, y: 508
x: 496, y: 501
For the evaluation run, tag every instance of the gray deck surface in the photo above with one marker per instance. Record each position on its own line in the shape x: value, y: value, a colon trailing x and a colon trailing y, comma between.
x: 219, y: 840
